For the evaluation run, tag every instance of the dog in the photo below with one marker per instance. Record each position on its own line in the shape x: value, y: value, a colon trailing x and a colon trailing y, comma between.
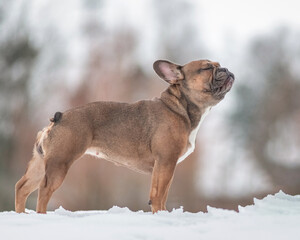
x: 149, y: 136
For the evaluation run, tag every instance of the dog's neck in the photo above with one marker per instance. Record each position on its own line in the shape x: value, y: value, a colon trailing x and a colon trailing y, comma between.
x: 181, y: 104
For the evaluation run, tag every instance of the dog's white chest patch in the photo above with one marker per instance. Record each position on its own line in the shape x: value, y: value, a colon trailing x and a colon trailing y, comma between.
x: 192, y: 138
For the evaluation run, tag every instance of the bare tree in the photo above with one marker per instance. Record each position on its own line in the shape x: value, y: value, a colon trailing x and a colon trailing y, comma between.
x: 17, y: 57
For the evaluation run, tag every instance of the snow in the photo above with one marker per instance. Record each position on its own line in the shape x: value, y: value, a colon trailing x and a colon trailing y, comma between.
x: 274, y: 217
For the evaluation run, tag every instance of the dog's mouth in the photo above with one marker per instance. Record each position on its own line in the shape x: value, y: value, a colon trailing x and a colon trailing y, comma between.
x: 222, y: 82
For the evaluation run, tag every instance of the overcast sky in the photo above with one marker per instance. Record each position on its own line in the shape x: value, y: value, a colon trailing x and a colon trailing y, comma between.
x: 226, y: 26
x: 240, y: 21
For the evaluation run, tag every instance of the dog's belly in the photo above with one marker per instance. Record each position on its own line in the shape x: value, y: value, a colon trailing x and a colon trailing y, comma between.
x: 142, y: 165
x: 96, y: 153
x: 192, y: 138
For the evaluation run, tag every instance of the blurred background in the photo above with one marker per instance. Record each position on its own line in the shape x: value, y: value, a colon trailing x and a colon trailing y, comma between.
x: 55, y: 55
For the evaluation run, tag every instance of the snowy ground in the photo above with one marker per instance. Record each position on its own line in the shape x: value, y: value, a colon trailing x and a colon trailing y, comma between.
x: 274, y: 217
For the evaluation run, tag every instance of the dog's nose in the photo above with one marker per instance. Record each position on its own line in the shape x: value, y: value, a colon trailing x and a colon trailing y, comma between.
x: 230, y: 74
x: 227, y: 72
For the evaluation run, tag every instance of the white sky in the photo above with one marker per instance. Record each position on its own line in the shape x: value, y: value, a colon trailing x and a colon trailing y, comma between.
x: 239, y: 21
x: 226, y: 26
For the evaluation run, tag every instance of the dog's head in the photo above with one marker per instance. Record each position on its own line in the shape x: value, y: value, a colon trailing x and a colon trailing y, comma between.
x: 203, y: 81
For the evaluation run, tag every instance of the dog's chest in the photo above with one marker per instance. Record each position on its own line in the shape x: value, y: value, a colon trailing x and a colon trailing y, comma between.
x: 192, y: 138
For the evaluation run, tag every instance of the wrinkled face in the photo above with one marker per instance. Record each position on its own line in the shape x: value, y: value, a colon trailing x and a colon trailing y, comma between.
x: 202, y: 81
x: 207, y: 77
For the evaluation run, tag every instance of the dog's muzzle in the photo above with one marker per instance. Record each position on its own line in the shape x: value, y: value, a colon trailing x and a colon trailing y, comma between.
x: 222, y: 82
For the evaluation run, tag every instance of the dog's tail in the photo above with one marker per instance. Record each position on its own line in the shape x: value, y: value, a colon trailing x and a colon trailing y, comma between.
x: 56, y: 118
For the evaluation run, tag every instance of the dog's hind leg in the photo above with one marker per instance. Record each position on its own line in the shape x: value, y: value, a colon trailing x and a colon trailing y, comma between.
x: 29, y: 182
x: 57, y: 166
x: 59, y: 158
x: 57, y: 147
x: 55, y: 174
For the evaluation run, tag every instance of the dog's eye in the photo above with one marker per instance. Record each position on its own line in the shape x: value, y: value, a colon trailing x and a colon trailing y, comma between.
x: 205, y: 69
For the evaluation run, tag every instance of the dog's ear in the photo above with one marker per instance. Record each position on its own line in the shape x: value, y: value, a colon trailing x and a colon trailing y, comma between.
x: 168, y: 71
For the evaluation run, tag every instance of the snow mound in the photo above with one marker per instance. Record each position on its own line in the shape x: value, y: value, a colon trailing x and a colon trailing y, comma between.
x: 274, y: 217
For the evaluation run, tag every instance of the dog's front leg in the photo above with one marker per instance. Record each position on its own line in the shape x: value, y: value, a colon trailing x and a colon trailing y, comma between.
x: 162, y: 176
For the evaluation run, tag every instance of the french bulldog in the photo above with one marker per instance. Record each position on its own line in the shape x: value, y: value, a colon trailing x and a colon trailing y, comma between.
x: 149, y: 136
